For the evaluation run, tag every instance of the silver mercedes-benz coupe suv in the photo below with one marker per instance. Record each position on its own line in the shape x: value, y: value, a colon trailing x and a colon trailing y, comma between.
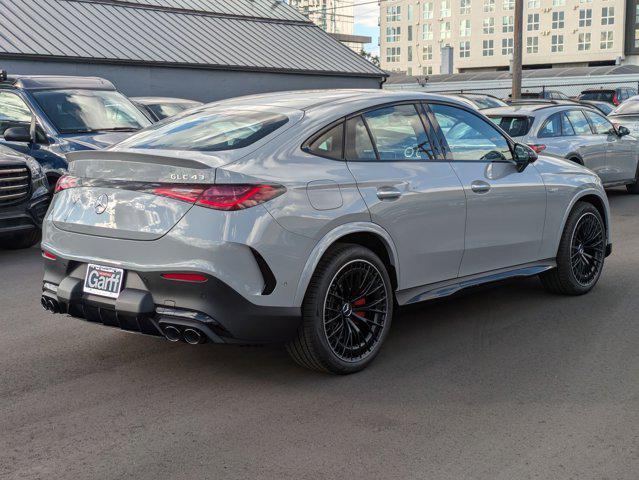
x: 306, y: 217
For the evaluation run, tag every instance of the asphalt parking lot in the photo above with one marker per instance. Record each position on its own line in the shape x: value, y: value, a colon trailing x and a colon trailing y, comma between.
x: 499, y: 383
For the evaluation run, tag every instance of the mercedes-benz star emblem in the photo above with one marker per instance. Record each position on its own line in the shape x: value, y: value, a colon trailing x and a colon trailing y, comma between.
x: 101, y: 203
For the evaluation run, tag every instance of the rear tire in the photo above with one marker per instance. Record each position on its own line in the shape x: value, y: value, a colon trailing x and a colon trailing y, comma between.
x: 581, y: 253
x: 346, y: 314
x: 634, y: 187
x: 18, y: 242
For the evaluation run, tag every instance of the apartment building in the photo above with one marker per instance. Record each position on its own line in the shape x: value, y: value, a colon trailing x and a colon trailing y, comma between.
x: 418, y: 36
x: 337, y: 17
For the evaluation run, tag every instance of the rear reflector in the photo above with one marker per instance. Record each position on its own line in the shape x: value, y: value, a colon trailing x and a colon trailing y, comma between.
x: 223, y: 197
x: 185, y: 277
x: 48, y: 255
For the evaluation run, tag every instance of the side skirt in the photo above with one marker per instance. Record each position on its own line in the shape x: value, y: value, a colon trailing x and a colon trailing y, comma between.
x: 449, y: 287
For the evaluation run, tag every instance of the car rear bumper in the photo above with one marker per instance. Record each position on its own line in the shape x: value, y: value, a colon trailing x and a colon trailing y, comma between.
x: 149, y: 303
x: 23, y: 217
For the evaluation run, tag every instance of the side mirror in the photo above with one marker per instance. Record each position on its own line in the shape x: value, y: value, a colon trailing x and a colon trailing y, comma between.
x: 18, y: 134
x: 523, y: 155
x: 622, y: 131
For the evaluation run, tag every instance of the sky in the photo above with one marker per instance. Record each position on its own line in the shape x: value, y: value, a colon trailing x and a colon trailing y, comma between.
x: 366, y: 18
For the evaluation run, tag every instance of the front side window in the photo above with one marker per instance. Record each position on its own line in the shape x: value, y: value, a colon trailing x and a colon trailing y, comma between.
x: 579, y: 122
x: 600, y: 125
x: 209, y: 131
x: 398, y: 133
x: 85, y: 111
x: 470, y: 137
x: 13, y: 111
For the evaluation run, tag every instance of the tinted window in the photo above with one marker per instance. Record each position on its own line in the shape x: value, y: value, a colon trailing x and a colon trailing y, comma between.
x: 209, y: 131
x: 470, y: 137
x: 603, y: 95
x: 329, y: 144
x: 579, y: 122
x: 358, y: 143
x: 165, y: 110
x: 600, y: 124
x: 566, y: 126
x: 513, y: 126
x: 552, y: 127
x: 81, y: 111
x: 13, y: 111
x: 398, y: 133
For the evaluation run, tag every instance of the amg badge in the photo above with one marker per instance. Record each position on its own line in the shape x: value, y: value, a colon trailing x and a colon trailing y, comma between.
x: 103, y: 281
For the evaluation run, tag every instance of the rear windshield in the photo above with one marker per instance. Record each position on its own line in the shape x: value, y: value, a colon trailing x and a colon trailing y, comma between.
x: 166, y: 110
x: 209, y: 131
x: 86, y: 111
x: 486, y: 102
x: 513, y: 126
x: 603, y: 95
x: 630, y: 107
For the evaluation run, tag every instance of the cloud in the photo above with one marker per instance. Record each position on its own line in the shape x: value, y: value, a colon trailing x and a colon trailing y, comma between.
x: 367, y: 15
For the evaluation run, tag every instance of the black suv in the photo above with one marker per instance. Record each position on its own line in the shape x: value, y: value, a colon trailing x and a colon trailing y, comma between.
x: 24, y: 199
x: 614, y: 96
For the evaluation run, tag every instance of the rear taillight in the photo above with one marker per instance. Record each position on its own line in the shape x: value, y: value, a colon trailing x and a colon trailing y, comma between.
x: 48, y: 255
x: 615, y: 99
x: 538, y: 148
x: 65, y: 182
x: 223, y: 197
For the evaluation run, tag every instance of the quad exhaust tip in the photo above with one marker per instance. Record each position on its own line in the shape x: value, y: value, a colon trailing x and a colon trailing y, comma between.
x: 50, y: 304
x: 192, y: 336
x: 172, y: 334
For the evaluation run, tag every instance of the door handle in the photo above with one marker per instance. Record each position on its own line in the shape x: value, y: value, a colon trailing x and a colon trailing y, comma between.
x: 479, y: 186
x: 388, y: 193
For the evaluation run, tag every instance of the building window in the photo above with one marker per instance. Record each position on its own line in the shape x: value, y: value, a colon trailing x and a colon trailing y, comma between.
x: 428, y: 11
x: 557, y: 20
x: 409, y: 53
x: 393, y: 13
x: 444, y: 31
x: 507, y: 46
x: 608, y: 16
x: 489, y: 6
x: 585, y: 1
x: 534, y: 3
x: 508, y: 4
x: 583, y: 42
x: 427, y: 70
x: 464, y: 28
x: 488, y: 48
x: 606, y: 40
x: 393, y: 34
x: 532, y: 45
x: 427, y: 52
x: 533, y: 22
x: 558, y: 3
x: 409, y: 13
x: 393, y: 54
x: 464, y: 50
x: 557, y: 43
x: 410, y: 33
x: 507, y: 24
x: 445, y: 9
x: 427, y: 31
x: 409, y: 71
x: 489, y: 25
x: 464, y: 7
x: 585, y: 17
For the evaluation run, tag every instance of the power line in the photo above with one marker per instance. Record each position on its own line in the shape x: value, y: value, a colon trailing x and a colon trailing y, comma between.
x: 347, y: 6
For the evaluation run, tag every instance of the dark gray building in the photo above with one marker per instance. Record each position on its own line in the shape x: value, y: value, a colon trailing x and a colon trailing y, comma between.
x: 198, y: 49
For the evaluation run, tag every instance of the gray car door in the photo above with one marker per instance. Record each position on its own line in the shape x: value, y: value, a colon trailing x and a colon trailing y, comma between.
x: 506, y: 209
x: 621, y: 152
x: 590, y: 147
x: 410, y: 190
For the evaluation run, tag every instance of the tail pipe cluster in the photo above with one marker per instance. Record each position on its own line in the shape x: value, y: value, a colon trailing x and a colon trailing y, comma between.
x: 50, y: 304
x: 177, y: 333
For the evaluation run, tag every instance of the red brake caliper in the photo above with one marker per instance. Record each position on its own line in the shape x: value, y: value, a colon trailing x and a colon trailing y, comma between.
x: 360, y: 303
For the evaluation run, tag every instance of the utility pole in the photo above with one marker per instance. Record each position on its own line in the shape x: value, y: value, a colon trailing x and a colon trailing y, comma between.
x: 517, y: 49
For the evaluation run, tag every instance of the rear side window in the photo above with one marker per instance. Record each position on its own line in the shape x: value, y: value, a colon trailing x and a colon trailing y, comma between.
x: 599, y: 123
x: 398, y: 133
x: 13, y: 111
x: 358, y: 143
x: 513, y: 126
x: 566, y: 126
x: 579, y: 122
x: 329, y: 144
x: 209, y: 131
x: 552, y: 127
x: 470, y: 137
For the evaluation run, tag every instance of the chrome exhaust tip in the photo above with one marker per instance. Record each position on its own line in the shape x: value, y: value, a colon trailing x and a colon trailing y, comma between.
x: 44, y: 303
x: 172, y: 334
x: 193, y: 337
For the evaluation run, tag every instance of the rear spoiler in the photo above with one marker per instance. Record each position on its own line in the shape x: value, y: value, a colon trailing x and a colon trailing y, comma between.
x: 148, y: 158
